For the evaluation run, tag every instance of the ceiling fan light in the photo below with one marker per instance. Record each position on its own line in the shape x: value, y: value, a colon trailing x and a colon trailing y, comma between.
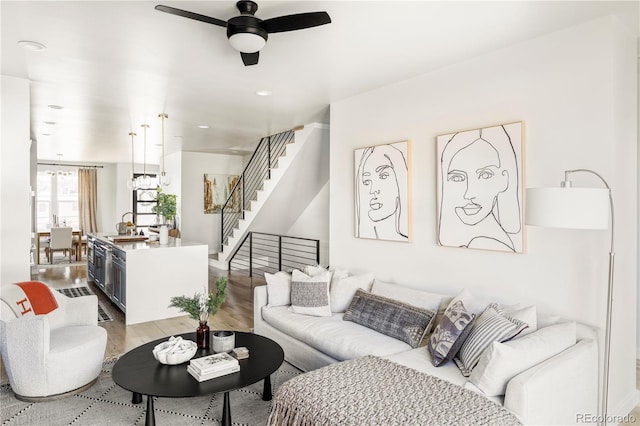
x: 247, y: 42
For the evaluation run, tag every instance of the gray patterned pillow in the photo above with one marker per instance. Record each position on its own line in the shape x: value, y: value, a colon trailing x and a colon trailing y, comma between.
x: 310, y: 295
x: 450, y: 333
x: 493, y: 325
x: 390, y: 317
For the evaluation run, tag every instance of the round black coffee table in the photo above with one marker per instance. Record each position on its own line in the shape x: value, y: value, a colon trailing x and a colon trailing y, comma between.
x: 139, y: 372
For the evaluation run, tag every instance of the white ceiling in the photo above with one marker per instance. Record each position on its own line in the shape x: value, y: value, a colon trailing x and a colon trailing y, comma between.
x: 114, y: 65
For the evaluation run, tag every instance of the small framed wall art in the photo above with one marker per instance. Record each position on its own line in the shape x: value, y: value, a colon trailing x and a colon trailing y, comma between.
x: 217, y: 189
x: 480, y: 188
x: 383, y: 191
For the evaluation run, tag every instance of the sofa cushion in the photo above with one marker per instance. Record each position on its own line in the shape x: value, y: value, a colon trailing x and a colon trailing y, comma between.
x: 450, y: 333
x: 343, y: 289
x: 492, y: 325
x: 310, y: 295
x: 503, y: 361
x: 278, y: 288
x: 339, y: 339
x: 391, y: 317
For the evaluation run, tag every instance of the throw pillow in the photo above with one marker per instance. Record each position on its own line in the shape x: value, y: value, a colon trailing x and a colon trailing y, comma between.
x: 492, y: 325
x: 421, y: 299
x: 278, y: 288
x: 527, y: 315
x: 310, y: 295
x: 450, y: 333
x: 312, y: 270
x: 503, y: 361
x: 390, y: 317
x: 343, y: 290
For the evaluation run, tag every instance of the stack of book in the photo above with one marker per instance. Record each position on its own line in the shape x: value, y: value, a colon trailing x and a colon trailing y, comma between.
x: 240, y: 353
x: 212, y: 366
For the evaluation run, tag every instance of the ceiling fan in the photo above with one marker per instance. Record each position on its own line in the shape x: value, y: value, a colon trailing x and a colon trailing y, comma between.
x: 248, y: 34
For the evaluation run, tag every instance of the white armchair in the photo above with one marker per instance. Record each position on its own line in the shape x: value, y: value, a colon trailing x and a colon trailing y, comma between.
x: 50, y: 355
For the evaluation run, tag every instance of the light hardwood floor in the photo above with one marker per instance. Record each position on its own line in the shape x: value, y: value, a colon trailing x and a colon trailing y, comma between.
x: 236, y: 313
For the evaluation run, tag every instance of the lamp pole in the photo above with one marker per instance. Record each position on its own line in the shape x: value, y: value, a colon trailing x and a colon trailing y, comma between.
x: 607, y: 340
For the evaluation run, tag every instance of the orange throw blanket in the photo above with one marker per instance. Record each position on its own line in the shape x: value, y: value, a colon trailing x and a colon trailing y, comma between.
x: 29, y: 298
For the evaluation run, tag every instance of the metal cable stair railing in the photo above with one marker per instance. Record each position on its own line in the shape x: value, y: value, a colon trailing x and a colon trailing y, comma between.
x: 264, y: 158
x: 260, y: 252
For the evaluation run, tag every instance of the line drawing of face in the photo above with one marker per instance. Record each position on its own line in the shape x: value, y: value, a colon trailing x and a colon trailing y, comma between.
x: 480, y: 185
x: 380, y: 177
x: 475, y: 179
x: 382, y: 192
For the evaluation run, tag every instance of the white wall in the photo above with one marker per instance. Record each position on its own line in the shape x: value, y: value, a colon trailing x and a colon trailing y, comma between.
x: 313, y: 223
x: 15, y: 191
x: 574, y: 90
x: 197, y: 226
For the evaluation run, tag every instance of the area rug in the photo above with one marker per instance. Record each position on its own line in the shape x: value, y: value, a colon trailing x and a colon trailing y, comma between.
x: 85, y: 291
x: 106, y: 403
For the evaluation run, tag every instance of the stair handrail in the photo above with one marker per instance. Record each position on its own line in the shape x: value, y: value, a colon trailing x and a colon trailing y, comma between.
x: 240, y: 186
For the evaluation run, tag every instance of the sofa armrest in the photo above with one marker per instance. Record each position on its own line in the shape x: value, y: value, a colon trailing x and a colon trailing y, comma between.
x: 260, y: 298
x: 558, y: 390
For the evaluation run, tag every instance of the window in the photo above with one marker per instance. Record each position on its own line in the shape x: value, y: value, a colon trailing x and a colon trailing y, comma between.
x: 144, y: 200
x: 57, y: 199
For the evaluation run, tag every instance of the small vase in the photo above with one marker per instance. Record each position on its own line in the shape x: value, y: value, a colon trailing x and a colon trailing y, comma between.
x: 202, y: 335
x: 223, y: 341
x: 164, y: 235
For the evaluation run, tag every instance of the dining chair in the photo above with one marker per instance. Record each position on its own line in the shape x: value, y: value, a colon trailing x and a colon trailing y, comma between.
x: 61, y: 240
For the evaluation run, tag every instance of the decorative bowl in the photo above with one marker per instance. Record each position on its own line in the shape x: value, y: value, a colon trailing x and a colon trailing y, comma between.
x: 175, y: 351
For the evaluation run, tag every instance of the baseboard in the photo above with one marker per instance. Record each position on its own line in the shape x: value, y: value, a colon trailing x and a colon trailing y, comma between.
x: 625, y: 406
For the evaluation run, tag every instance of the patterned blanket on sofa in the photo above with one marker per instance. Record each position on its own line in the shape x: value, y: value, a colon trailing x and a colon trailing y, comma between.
x: 376, y: 391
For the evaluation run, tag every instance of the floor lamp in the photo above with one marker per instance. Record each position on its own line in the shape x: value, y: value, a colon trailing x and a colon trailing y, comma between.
x: 579, y: 208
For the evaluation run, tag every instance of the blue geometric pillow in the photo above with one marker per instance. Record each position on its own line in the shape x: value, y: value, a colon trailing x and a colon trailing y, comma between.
x: 450, y: 333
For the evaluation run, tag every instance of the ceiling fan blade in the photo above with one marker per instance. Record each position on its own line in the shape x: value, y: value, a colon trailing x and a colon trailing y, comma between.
x: 296, y: 22
x: 191, y: 15
x: 250, y: 58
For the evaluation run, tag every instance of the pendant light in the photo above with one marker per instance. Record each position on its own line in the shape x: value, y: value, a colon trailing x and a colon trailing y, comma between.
x: 144, y: 181
x: 131, y: 182
x: 165, y: 179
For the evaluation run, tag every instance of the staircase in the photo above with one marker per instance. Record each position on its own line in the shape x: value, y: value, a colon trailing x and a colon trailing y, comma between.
x: 285, y: 173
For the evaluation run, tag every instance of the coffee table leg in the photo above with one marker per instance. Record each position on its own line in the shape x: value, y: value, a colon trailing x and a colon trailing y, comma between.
x: 226, y: 411
x: 266, y: 389
x: 136, y: 398
x: 151, y: 415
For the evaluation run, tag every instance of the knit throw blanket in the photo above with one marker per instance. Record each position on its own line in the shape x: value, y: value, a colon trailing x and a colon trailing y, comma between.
x: 376, y: 391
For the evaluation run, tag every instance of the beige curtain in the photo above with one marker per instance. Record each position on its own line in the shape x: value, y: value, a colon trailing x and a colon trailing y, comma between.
x: 88, y: 199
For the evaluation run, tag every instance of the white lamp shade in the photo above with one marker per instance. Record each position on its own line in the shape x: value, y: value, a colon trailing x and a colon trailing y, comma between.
x: 574, y: 208
x: 247, y: 42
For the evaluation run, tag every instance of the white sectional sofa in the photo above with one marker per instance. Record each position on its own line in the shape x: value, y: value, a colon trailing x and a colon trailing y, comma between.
x: 553, y: 391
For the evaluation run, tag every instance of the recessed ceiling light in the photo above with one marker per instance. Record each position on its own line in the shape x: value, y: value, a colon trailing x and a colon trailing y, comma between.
x: 55, y: 106
x: 34, y: 46
x: 264, y: 93
x: 51, y: 123
x: 46, y: 134
x: 204, y: 126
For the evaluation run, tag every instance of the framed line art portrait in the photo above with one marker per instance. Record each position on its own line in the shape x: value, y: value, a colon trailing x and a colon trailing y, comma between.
x: 480, y: 178
x: 383, y: 191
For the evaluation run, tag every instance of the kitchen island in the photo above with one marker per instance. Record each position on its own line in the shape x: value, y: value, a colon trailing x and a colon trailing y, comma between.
x: 140, y: 277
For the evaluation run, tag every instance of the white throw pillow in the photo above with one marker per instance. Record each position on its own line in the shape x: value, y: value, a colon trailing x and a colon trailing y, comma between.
x: 418, y: 298
x: 312, y: 270
x: 343, y: 290
x: 310, y: 295
x: 501, y: 362
x: 278, y: 288
x: 528, y: 315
